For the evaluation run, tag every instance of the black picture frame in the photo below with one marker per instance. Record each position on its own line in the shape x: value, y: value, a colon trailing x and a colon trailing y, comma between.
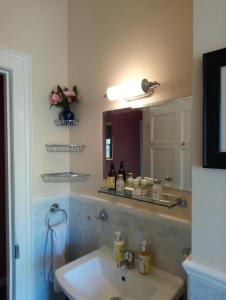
x: 212, y: 64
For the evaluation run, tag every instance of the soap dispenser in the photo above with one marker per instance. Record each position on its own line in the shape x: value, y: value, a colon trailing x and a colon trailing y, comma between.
x: 119, y: 248
x: 144, y: 258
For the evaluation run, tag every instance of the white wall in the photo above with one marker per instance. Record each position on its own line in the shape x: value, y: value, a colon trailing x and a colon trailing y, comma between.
x: 39, y: 28
x: 208, y: 186
x: 113, y: 41
x: 108, y: 43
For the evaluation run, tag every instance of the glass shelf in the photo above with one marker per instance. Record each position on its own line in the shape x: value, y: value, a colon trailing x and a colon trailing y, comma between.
x: 64, y: 177
x: 69, y: 123
x: 168, y: 200
x: 64, y: 148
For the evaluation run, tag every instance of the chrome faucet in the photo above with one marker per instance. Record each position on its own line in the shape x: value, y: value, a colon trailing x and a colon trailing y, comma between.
x: 129, y: 257
x: 101, y: 215
x: 129, y: 260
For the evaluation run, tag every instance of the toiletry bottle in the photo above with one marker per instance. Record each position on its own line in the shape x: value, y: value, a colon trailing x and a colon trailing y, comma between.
x: 145, y: 259
x: 122, y: 170
x: 144, y: 187
x: 168, y: 182
x: 120, y: 184
x: 129, y: 180
x: 137, y: 188
x: 150, y: 184
x: 157, y: 190
x: 119, y: 248
x: 111, y: 178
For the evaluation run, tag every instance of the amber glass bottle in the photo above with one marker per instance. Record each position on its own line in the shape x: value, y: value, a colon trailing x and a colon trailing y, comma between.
x: 111, y: 178
x: 145, y: 259
x: 122, y: 170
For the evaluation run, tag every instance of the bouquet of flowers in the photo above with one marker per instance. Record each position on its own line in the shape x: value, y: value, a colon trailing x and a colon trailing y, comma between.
x: 63, y: 97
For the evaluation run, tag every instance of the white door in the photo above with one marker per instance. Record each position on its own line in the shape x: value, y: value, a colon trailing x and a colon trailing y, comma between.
x: 170, y: 143
x: 17, y: 71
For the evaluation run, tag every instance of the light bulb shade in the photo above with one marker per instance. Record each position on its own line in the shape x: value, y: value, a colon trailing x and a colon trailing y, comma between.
x: 132, y: 90
x: 114, y: 93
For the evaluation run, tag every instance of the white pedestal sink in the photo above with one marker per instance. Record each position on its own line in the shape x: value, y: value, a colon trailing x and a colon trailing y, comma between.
x: 96, y: 277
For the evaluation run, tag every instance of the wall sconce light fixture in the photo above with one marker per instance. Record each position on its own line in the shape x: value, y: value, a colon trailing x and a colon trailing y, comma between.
x: 132, y: 90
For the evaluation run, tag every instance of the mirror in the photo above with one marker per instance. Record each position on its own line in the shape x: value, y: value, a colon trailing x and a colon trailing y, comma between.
x: 154, y: 141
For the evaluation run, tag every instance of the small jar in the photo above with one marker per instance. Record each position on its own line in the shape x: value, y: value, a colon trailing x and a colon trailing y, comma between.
x: 136, y: 183
x: 139, y: 179
x: 157, y: 190
x: 149, y: 180
x: 130, y: 179
x: 150, y: 183
x: 120, y: 184
x: 137, y: 189
x: 168, y: 182
x: 144, y: 186
x: 144, y: 183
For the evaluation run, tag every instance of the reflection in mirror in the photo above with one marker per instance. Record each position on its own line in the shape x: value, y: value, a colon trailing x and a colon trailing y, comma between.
x: 152, y: 142
x: 108, y: 141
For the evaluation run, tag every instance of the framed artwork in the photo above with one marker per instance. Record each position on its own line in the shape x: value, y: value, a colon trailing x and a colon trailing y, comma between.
x: 214, y: 109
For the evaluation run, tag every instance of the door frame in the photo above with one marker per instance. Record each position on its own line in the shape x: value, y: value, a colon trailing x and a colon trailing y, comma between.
x: 16, y: 68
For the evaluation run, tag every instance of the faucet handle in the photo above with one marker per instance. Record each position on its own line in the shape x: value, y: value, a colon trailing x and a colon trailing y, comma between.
x: 102, y: 215
x: 129, y: 259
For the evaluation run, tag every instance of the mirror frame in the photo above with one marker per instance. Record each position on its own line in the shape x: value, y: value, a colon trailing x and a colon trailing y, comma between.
x: 213, y: 157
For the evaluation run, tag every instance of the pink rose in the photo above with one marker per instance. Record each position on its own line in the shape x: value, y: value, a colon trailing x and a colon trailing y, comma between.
x: 69, y: 93
x: 54, y: 99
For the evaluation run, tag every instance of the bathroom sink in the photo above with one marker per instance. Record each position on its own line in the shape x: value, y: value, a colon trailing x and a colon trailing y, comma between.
x: 96, y: 277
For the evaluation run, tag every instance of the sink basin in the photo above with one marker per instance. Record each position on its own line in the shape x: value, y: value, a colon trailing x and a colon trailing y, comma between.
x: 96, y: 277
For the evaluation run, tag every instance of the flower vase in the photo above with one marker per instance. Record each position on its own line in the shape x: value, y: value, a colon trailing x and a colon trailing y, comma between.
x: 66, y: 114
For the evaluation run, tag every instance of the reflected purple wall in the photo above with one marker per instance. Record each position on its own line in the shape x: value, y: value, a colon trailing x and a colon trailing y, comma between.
x: 126, y: 139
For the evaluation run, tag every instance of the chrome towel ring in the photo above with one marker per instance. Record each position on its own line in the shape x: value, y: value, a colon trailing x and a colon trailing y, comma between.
x: 53, y: 210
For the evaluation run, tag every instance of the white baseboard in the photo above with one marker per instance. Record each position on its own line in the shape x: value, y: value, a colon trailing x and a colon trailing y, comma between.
x: 204, y: 282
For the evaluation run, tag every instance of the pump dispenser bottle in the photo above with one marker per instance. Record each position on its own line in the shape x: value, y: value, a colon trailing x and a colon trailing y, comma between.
x: 144, y: 258
x: 119, y: 248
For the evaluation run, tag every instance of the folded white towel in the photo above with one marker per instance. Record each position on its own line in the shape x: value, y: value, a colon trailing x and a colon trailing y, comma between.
x: 58, y: 233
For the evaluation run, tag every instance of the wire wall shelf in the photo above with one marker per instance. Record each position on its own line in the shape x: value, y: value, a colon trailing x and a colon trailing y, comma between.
x: 64, y: 177
x: 168, y: 200
x: 65, y: 148
x: 69, y: 123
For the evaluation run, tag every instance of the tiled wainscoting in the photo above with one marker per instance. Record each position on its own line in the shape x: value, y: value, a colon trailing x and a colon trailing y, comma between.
x: 168, y: 236
x: 43, y: 290
x: 204, y: 283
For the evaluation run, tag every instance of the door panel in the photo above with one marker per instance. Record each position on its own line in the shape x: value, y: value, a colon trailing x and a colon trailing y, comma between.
x: 170, y: 143
x: 2, y: 198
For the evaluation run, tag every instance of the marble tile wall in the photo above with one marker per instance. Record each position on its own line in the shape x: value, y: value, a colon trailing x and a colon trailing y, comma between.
x: 167, y: 236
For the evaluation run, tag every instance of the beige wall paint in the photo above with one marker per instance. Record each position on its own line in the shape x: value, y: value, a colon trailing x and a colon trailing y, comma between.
x: 114, y: 41
x: 39, y: 28
x: 208, y: 186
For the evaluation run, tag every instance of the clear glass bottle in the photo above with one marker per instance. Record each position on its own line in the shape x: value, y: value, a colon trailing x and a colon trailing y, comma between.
x: 157, y: 190
x: 120, y: 184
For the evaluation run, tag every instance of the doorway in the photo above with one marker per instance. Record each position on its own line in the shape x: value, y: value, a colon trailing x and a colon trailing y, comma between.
x: 3, y: 257
x: 15, y: 68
